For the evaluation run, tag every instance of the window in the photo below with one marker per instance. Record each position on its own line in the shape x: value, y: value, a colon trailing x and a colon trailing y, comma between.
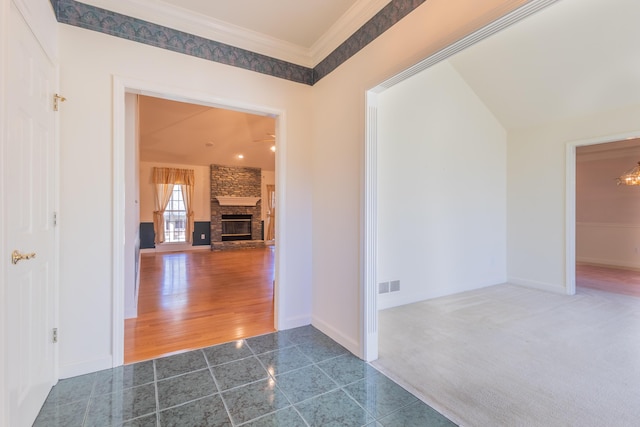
x: 175, y: 217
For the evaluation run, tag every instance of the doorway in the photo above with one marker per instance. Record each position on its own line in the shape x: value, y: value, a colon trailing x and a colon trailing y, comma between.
x: 123, y: 167
x: 571, y: 196
x: 196, y: 289
x: 607, y: 221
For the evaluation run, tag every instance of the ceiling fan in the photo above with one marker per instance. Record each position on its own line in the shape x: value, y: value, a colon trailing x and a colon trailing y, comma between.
x: 271, y: 138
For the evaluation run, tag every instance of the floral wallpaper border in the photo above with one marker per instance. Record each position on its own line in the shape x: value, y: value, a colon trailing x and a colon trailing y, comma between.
x: 387, y: 17
x: 93, y: 18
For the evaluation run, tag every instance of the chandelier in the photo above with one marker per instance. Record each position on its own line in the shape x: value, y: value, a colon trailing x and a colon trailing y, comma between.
x: 631, y: 177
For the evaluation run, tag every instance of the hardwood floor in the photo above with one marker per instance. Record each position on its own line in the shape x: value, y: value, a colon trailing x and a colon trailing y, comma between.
x: 610, y: 279
x: 191, y: 300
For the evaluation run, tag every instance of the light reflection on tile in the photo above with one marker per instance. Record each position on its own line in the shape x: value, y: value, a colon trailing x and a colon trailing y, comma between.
x: 114, y: 408
x: 284, y: 360
x: 346, y: 369
x: 268, y: 342
x: 253, y: 400
x: 227, y: 352
x: 379, y: 395
x: 305, y: 383
x: 313, y: 381
x: 333, y: 409
x: 183, y: 388
x: 239, y: 372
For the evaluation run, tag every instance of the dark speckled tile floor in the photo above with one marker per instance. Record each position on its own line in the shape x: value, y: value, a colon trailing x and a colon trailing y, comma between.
x: 298, y: 377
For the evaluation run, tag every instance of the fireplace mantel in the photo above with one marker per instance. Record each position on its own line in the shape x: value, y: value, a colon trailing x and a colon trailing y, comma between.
x: 237, y: 201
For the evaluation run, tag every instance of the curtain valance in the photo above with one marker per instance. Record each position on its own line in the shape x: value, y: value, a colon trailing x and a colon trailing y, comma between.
x: 173, y: 176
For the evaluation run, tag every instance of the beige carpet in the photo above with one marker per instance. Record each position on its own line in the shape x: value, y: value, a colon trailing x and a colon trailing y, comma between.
x: 511, y: 356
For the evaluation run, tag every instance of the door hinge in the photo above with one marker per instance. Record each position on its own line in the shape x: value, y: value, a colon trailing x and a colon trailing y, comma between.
x: 57, y: 99
x: 54, y: 335
x: 55, y: 219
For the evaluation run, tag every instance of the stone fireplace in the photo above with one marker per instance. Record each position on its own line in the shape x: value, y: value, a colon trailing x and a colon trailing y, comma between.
x: 235, y: 207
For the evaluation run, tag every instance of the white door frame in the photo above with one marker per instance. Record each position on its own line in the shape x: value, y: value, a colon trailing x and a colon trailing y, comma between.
x: 368, y: 285
x: 570, y: 209
x: 4, y: 250
x: 123, y: 85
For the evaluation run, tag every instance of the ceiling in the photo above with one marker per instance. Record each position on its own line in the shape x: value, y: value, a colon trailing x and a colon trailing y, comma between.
x: 190, y: 134
x: 301, y: 32
x: 298, y: 22
x: 572, y: 59
x: 180, y: 133
x: 547, y: 68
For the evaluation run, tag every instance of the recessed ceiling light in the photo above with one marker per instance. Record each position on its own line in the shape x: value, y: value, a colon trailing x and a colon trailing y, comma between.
x: 209, y: 144
x: 240, y: 156
x: 273, y: 148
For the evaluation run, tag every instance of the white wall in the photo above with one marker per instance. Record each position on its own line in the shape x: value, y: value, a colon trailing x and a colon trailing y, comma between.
x: 536, y: 177
x: 609, y: 244
x: 327, y: 135
x: 441, y: 189
x: 89, y: 62
x: 201, y: 193
x: 338, y: 151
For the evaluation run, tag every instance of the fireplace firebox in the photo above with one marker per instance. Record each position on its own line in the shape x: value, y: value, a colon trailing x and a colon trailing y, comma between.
x: 236, y: 227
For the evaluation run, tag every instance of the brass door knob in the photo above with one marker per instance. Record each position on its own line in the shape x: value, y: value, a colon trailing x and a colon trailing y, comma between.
x: 17, y: 256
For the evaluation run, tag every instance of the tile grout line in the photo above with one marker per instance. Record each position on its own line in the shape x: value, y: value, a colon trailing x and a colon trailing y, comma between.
x: 294, y: 345
x: 273, y: 378
x: 338, y: 386
x: 85, y: 418
x: 215, y: 381
x: 186, y: 373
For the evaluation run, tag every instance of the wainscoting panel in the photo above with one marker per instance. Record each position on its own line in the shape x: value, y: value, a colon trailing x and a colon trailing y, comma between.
x: 147, y: 235
x: 201, y: 228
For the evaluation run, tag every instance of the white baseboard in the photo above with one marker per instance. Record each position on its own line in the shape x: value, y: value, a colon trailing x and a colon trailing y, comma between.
x: 294, y: 322
x: 86, y: 367
x: 353, y: 345
x: 547, y: 287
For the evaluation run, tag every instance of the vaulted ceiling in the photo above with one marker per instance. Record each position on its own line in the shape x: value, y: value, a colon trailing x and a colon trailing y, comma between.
x: 573, y: 59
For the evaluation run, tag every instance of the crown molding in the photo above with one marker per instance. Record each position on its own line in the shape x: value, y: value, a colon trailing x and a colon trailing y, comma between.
x: 181, y: 19
x: 354, y: 18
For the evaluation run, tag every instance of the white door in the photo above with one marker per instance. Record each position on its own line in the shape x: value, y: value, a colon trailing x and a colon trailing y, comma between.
x: 29, y: 175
